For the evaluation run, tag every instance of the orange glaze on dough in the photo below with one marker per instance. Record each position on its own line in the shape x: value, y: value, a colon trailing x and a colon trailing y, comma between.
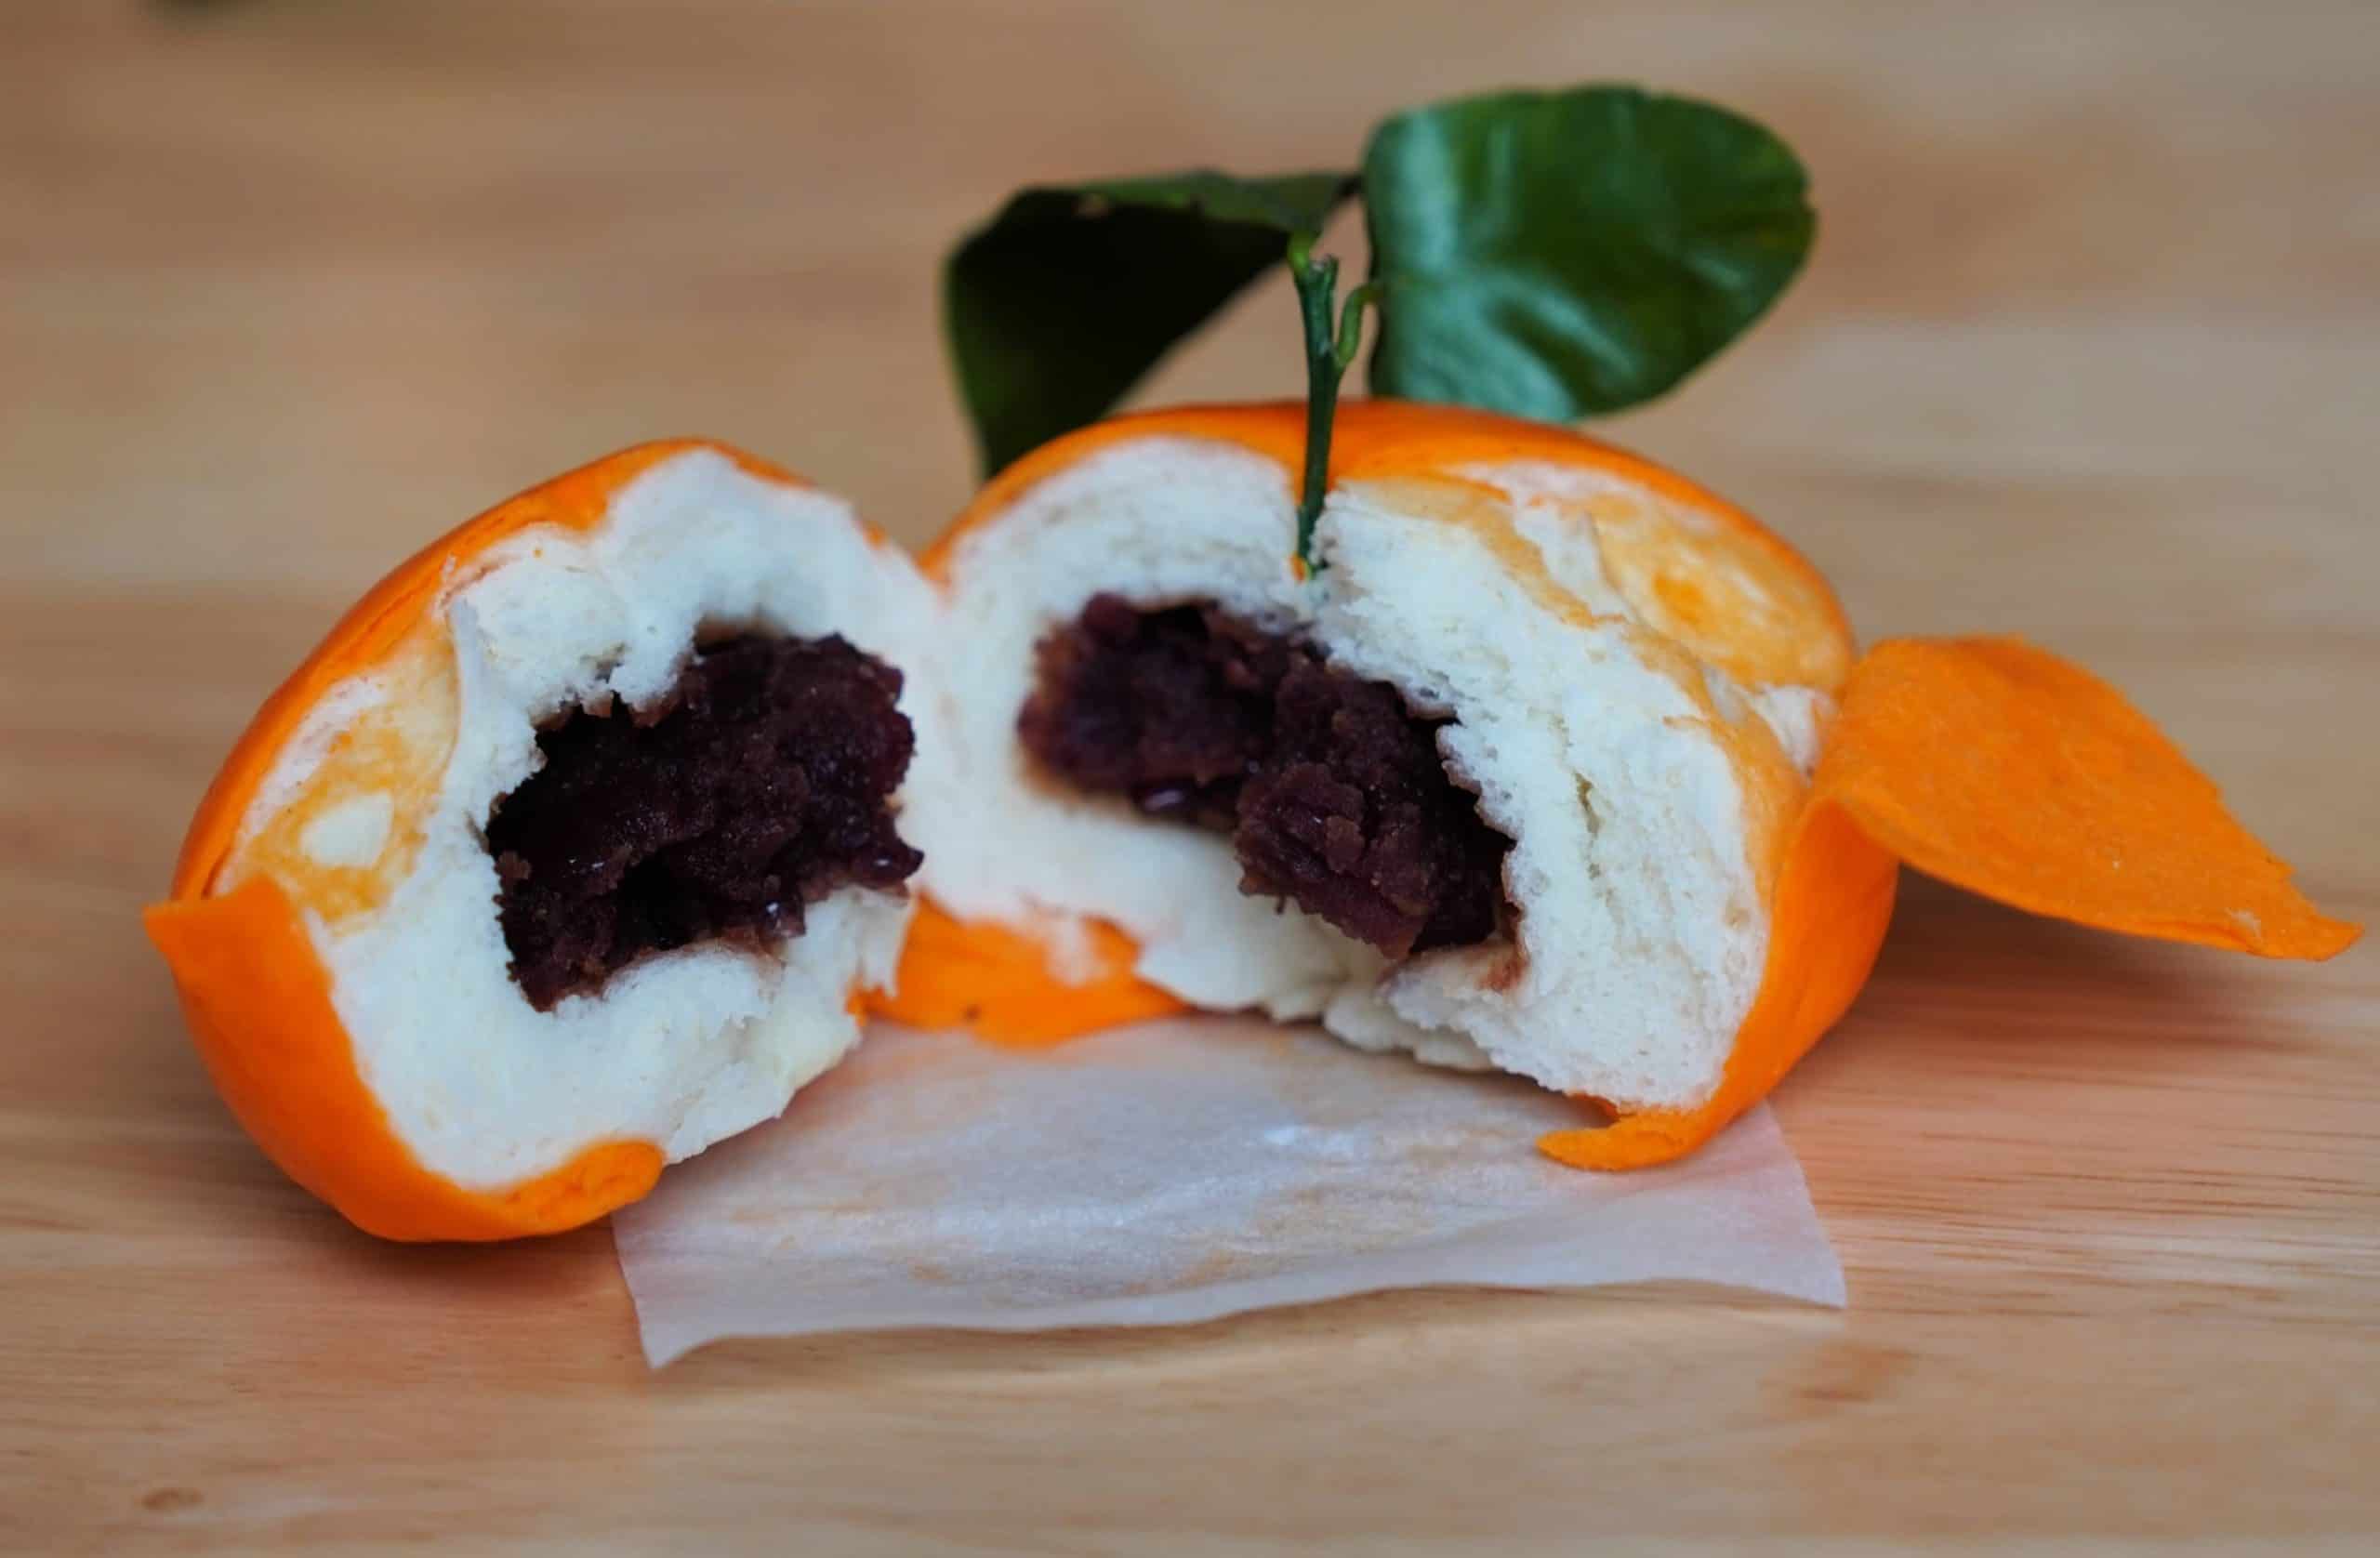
x: 256, y: 997
x: 1985, y: 762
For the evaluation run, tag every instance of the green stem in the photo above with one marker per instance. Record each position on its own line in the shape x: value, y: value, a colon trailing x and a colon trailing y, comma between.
x: 1330, y: 348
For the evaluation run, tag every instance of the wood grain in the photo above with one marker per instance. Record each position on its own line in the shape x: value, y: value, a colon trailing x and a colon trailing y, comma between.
x: 2087, y: 353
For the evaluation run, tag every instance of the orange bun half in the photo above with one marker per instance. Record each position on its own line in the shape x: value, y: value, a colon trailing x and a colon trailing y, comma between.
x: 332, y: 927
x: 1986, y: 762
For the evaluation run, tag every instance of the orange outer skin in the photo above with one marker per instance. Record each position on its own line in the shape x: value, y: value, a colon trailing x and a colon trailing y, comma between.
x: 259, y: 1001
x: 1834, y: 898
x: 260, y: 1007
x: 1984, y: 761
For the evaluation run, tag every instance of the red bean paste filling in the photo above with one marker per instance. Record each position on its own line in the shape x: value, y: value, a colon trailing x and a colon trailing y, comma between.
x: 756, y: 787
x: 1332, y: 790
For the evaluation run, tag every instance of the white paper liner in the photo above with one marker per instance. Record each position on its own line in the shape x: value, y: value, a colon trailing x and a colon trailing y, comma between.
x: 1169, y: 1173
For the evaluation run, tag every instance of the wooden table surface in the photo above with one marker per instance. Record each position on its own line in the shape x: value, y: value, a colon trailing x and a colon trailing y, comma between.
x: 2087, y: 351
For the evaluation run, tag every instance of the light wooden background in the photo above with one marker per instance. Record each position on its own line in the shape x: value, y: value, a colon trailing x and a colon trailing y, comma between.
x: 2088, y: 352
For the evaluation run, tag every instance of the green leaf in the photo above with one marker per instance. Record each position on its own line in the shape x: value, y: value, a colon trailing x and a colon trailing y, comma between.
x: 1059, y: 304
x: 1559, y: 254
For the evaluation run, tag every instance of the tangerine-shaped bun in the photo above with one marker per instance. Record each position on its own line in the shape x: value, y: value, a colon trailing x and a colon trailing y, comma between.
x: 1636, y: 680
x: 333, y: 925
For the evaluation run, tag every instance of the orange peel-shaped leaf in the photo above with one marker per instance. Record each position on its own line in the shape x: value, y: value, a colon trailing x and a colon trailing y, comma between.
x: 2009, y: 771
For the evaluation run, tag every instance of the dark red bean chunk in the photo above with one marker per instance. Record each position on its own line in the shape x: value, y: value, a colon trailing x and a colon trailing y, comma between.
x: 1332, y: 790
x: 759, y: 785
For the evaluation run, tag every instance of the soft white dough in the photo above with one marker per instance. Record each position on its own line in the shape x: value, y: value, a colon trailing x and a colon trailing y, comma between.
x: 1641, y: 926
x: 1642, y: 929
x: 684, y: 1048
